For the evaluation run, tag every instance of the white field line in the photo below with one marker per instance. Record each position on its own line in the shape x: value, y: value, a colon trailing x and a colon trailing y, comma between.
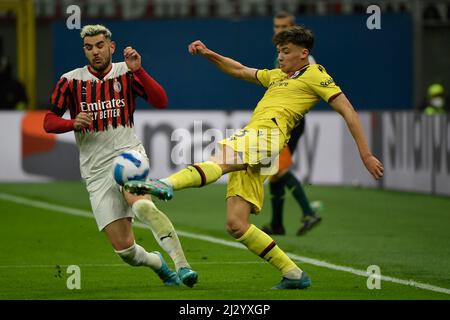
x: 315, y: 262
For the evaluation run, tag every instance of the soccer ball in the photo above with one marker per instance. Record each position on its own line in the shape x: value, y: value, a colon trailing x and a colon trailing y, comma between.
x: 130, y: 165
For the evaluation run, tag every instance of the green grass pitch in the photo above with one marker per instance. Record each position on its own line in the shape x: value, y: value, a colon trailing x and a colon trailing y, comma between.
x: 405, y: 234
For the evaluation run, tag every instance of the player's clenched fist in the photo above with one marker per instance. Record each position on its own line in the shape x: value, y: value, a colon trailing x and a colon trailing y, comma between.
x: 197, y: 47
x: 82, y: 120
x: 132, y: 59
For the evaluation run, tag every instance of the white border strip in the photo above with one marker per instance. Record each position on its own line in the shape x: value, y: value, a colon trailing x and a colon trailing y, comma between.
x: 315, y: 262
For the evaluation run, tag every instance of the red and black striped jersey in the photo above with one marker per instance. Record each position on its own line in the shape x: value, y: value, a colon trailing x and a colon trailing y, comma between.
x: 110, y: 100
x: 111, y: 103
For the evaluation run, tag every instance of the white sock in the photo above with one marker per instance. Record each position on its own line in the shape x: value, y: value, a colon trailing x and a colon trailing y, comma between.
x: 295, y: 273
x: 166, y: 181
x: 137, y: 256
x: 162, y: 230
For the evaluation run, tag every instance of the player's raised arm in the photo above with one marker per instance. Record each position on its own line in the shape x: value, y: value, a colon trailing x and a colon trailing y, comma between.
x: 144, y: 85
x: 345, y: 108
x: 227, y: 65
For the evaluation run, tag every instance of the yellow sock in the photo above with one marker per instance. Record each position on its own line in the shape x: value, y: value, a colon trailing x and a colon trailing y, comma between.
x: 197, y: 175
x: 265, y: 247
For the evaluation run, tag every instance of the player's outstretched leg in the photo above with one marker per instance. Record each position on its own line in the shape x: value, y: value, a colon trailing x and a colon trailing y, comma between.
x: 166, y: 236
x: 197, y: 175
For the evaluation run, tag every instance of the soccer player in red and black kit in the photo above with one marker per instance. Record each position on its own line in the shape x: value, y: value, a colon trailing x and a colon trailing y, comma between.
x: 101, y: 100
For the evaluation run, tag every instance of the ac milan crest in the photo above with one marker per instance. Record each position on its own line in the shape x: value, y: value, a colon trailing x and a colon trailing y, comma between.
x: 117, y: 86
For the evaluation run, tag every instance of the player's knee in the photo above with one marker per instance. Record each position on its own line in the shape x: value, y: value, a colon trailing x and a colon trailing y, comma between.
x: 128, y: 255
x: 144, y: 209
x: 123, y: 243
x: 236, y: 228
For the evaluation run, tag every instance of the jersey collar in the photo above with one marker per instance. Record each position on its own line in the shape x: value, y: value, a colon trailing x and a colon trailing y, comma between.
x: 100, y: 76
x: 297, y: 73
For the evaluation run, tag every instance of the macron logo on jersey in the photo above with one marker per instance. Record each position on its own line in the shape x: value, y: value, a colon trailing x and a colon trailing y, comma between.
x: 102, y: 105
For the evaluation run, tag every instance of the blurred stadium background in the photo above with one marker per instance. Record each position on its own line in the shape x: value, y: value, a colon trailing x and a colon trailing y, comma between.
x: 400, y: 223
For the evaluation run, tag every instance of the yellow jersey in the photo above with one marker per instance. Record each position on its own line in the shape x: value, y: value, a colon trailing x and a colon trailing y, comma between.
x: 288, y: 98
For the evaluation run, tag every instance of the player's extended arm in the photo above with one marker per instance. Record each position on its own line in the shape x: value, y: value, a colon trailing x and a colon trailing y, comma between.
x: 345, y: 108
x: 55, y: 124
x: 227, y: 65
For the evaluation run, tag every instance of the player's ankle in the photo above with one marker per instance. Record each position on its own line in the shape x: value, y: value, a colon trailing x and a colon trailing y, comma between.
x: 295, y: 273
x: 166, y: 181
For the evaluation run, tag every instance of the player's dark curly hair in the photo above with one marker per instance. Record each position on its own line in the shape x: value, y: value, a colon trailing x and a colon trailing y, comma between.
x: 298, y: 35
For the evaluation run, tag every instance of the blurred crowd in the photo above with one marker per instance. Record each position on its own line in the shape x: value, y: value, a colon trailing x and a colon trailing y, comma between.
x: 13, y: 95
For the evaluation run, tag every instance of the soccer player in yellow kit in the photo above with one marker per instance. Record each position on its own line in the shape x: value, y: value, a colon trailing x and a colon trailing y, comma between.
x: 284, y: 178
x: 292, y: 90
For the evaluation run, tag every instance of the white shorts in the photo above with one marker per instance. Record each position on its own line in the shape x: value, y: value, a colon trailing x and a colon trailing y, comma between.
x: 107, y: 201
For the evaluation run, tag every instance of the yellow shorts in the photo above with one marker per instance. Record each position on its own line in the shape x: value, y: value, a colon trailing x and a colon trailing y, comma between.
x: 249, y: 185
x: 258, y: 145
